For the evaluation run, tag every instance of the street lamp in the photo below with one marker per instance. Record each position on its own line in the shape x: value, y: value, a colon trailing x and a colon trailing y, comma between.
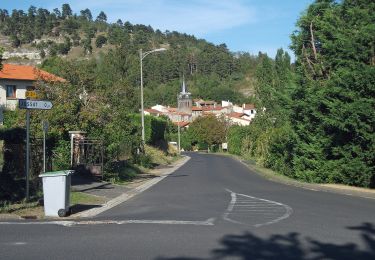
x: 142, y: 55
x: 179, y: 134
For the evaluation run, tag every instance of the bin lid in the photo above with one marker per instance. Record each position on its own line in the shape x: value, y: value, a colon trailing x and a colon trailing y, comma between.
x: 57, y: 173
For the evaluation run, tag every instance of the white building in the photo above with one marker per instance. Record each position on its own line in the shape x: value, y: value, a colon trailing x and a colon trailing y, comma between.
x: 185, y: 112
x: 16, y: 79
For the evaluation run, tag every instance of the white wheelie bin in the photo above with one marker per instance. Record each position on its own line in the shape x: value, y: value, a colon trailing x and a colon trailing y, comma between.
x: 56, y: 192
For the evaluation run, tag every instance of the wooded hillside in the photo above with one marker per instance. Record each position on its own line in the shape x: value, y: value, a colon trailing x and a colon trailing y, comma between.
x: 212, y: 70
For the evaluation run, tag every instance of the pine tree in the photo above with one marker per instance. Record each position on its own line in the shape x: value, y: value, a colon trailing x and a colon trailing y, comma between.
x: 334, y: 113
x: 102, y: 17
x: 66, y: 11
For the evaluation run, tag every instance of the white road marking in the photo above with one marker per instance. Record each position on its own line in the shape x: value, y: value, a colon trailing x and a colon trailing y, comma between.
x: 257, y: 212
x: 208, y: 222
x: 16, y: 243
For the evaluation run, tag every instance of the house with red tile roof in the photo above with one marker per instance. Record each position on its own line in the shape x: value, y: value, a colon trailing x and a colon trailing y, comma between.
x: 16, y: 79
x: 152, y: 112
x: 186, y: 113
x: 182, y: 124
x: 236, y: 118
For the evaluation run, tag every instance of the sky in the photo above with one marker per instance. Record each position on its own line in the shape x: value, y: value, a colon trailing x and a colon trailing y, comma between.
x: 243, y: 25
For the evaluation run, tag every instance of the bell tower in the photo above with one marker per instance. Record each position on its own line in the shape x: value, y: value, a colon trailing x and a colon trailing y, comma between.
x: 184, y: 101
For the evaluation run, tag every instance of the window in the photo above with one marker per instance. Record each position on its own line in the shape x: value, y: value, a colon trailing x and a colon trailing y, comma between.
x: 11, y: 91
x: 30, y: 88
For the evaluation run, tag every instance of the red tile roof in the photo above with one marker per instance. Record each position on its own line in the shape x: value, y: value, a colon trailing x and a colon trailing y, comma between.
x: 181, y: 124
x: 249, y: 106
x: 196, y: 109
x: 235, y: 114
x: 217, y: 108
x: 24, y: 72
x: 172, y: 109
x: 182, y: 113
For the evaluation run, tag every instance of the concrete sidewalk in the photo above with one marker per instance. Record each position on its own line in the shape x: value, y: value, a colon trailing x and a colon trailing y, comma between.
x: 109, y: 193
x: 116, y: 194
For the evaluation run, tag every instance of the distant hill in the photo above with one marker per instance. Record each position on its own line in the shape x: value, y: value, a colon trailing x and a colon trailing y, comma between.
x: 33, y: 35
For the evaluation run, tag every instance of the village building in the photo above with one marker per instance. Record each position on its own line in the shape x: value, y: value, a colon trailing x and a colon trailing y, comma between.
x: 15, y: 80
x: 185, y: 113
x: 184, y: 101
x: 204, y: 103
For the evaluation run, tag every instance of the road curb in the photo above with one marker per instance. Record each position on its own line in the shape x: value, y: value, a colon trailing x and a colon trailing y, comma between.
x: 126, y: 196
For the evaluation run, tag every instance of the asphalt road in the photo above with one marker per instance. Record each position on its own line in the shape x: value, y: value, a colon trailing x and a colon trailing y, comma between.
x: 213, y: 207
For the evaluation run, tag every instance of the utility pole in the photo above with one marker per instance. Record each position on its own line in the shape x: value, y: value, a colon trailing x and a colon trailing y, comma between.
x: 179, y: 136
x: 142, y: 108
x: 142, y: 55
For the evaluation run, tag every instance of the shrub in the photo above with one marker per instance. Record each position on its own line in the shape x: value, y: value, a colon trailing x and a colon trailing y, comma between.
x: 61, y: 156
x: 236, y: 135
x: 100, y: 41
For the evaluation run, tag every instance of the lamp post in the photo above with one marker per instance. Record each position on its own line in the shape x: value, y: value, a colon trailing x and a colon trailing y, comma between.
x: 179, y: 135
x: 142, y: 55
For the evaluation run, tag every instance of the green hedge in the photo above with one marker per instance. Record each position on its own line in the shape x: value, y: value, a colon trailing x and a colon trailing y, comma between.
x: 155, y: 127
x: 236, y: 135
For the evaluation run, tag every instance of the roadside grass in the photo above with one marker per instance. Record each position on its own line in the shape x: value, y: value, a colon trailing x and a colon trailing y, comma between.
x: 77, y: 197
x: 267, y: 173
x: 160, y: 157
x: 122, y: 173
x: 14, y: 208
x: 34, y: 210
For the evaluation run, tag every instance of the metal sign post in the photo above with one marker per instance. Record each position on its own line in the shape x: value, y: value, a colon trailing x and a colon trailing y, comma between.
x: 31, y: 104
x: 27, y: 153
x: 45, y: 130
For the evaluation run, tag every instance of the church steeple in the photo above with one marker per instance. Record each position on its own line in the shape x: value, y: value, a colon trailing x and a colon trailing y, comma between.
x: 184, y: 99
x: 183, y: 87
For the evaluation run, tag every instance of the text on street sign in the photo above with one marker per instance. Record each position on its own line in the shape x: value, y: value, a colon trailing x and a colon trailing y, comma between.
x: 34, y: 104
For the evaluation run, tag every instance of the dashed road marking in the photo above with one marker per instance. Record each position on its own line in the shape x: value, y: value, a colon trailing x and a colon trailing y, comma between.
x: 15, y: 243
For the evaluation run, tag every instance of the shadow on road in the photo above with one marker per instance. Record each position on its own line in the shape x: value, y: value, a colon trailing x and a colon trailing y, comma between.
x: 82, y: 207
x: 292, y: 246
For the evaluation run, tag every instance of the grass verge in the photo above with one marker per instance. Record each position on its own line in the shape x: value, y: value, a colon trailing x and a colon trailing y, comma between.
x: 124, y: 172
x: 277, y: 177
x: 33, y: 210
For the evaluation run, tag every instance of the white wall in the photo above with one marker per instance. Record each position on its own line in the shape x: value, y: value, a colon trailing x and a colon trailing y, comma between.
x: 21, y: 86
x: 237, y: 109
x: 239, y: 121
x: 250, y: 112
x: 160, y: 108
x: 226, y: 103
